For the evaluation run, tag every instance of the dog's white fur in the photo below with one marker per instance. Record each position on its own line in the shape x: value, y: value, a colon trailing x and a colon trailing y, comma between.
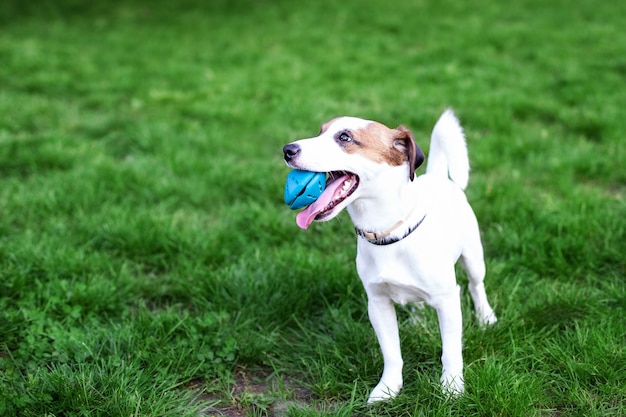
x: 419, y: 267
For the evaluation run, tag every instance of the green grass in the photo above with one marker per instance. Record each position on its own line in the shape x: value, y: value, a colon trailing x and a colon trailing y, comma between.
x: 149, y: 267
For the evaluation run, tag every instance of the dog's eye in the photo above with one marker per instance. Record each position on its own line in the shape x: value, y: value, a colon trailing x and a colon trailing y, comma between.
x: 344, y: 137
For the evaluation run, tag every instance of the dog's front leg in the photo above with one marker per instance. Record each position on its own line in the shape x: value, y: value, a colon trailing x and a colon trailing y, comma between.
x: 382, y: 315
x: 451, y: 325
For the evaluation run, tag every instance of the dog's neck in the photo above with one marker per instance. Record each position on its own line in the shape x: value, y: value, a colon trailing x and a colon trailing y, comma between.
x: 383, y: 209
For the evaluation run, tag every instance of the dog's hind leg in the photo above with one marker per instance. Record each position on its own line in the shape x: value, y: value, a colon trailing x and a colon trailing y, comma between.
x: 474, y: 264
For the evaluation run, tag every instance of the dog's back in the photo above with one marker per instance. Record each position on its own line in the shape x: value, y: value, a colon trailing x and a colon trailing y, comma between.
x: 448, y: 152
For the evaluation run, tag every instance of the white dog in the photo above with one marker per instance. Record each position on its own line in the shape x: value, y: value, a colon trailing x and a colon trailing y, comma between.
x: 411, y: 231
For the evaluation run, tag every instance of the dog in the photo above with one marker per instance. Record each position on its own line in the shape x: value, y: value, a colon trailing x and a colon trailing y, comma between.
x: 411, y: 230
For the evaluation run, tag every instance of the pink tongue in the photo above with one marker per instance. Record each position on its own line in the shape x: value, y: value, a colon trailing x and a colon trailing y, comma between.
x: 306, y: 216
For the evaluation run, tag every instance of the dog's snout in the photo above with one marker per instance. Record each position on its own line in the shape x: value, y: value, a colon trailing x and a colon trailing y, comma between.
x: 291, y: 151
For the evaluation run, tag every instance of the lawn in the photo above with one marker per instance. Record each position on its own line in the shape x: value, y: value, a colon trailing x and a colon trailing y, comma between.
x: 149, y: 267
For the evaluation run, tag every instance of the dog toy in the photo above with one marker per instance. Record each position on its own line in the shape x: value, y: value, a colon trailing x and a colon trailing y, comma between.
x: 303, y: 188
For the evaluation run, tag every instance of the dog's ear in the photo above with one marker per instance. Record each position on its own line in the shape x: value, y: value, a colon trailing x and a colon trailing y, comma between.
x: 405, y: 143
x: 326, y: 125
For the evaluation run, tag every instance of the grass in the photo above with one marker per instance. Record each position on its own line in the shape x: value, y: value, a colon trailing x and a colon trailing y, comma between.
x: 148, y: 266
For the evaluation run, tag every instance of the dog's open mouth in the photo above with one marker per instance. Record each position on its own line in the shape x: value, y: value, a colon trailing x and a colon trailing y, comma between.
x: 339, y: 186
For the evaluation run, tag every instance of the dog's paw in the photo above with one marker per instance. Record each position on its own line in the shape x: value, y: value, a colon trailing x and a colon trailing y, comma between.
x: 384, y: 392
x: 487, y: 318
x: 452, y: 385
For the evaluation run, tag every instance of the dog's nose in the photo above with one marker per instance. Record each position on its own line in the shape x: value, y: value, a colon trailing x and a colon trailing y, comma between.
x: 291, y: 151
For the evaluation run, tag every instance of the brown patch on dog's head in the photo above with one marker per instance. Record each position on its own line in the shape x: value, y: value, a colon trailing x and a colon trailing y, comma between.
x: 383, y: 145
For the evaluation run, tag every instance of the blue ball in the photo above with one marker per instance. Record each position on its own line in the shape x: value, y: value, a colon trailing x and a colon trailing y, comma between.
x: 303, y: 188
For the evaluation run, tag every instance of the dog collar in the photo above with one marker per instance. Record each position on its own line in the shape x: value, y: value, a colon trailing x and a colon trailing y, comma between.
x: 381, y: 238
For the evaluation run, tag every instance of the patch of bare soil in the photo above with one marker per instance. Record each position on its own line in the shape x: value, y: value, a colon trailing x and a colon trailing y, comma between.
x: 256, y: 392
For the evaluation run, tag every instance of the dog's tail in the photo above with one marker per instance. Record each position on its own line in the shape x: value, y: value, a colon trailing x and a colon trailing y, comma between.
x: 448, y: 152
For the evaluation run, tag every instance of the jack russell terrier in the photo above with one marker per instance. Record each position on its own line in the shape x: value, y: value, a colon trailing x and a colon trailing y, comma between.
x: 411, y: 230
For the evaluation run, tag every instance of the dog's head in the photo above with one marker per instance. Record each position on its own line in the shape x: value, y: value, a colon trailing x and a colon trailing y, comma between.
x: 353, y: 151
